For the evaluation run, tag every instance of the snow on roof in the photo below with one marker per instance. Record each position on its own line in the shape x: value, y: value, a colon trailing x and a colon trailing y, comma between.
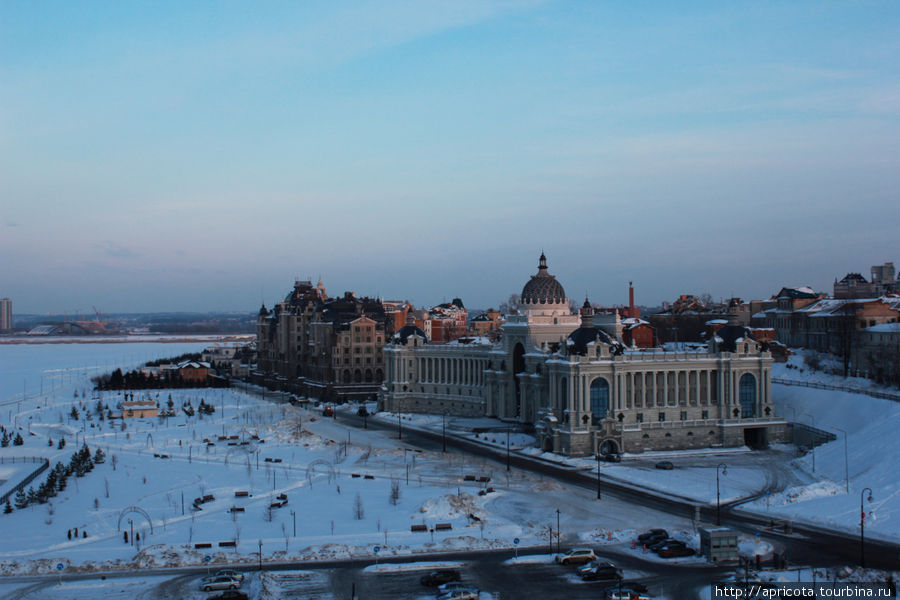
x: 884, y: 328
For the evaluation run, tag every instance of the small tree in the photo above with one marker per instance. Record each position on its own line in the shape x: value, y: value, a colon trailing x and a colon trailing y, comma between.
x: 21, y: 499
x: 18, y: 441
x: 358, y: 510
x: 74, y: 413
x: 99, y: 457
x: 8, y: 508
x: 4, y: 439
x: 62, y: 443
x: 50, y: 442
x: 395, y: 492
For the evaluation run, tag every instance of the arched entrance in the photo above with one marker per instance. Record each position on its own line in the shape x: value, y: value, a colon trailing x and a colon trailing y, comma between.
x: 608, y: 447
x: 599, y: 400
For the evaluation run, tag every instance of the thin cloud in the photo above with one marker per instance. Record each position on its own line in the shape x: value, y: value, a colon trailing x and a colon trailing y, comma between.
x: 115, y: 250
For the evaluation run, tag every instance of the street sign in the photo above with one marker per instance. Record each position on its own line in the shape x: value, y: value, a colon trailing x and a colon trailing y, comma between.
x: 758, y: 534
x: 377, y: 549
x: 60, y: 566
x: 516, y: 541
x: 207, y: 558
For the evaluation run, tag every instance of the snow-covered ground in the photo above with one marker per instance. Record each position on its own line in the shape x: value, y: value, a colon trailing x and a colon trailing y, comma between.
x: 788, y: 487
x: 339, y: 481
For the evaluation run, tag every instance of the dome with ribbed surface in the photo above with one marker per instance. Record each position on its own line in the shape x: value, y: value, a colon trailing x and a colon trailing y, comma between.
x: 543, y: 288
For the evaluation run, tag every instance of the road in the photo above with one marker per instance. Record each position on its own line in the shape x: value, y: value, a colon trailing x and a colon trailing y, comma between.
x: 807, y: 544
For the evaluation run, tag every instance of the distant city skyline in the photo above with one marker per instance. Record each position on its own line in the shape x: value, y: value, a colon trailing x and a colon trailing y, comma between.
x: 196, y: 157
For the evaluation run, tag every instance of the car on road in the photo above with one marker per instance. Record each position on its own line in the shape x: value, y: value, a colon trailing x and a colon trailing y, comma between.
x: 594, y: 564
x: 655, y: 546
x: 328, y: 411
x: 362, y: 411
x: 625, y: 594
x: 613, y: 458
x: 665, y: 465
x: 208, y: 584
x: 436, y: 578
x: 453, y: 585
x: 230, y: 595
x: 602, y: 574
x: 576, y: 556
x: 230, y: 573
x: 461, y: 594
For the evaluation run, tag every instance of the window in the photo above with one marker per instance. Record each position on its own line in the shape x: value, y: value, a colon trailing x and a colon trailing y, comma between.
x: 747, y: 393
x: 639, y: 417
x: 704, y: 414
x: 683, y: 415
x: 599, y: 399
x: 662, y: 416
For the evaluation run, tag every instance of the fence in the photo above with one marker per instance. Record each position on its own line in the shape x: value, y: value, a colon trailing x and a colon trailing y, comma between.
x: 45, y: 464
x: 840, y: 388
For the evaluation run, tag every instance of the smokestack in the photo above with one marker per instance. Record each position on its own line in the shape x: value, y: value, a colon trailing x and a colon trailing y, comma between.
x: 631, y: 301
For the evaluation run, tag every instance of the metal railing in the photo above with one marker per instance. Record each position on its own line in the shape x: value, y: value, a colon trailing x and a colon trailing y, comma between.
x: 839, y: 388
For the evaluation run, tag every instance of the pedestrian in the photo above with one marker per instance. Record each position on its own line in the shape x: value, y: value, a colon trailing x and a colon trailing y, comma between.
x: 69, y: 533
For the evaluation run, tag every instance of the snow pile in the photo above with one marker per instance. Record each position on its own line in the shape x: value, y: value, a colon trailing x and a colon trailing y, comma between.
x: 809, y: 492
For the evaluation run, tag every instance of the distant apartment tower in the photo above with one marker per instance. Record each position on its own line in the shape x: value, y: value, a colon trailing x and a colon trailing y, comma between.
x: 5, y: 314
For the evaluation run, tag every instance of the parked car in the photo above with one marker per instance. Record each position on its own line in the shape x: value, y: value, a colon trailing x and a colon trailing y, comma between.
x: 655, y: 546
x: 436, y: 578
x: 594, y: 564
x: 676, y: 551
x: 602, y: 574
x: 362, y: 411
x: 654, y: 534
x: 623, y: 594
x: 231, y: 573
x: 230, y: 595
x: 219, y: 583
x: 612, y: 457
x: 461, y: 594
x: 576, y: 556
x: 665, y: 465
x: 328, y: 411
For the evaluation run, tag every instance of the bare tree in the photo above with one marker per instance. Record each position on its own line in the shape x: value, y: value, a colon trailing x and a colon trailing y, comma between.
x: 395, y: 492
x: 358, y: 510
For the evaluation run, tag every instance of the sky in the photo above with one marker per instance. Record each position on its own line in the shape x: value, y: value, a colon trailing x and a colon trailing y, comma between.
x: 161, y: 156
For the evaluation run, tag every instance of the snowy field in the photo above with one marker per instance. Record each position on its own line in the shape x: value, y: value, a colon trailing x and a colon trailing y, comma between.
x: 347, y: 490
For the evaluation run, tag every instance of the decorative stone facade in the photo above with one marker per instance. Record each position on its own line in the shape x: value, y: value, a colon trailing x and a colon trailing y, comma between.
x: 582, y: 390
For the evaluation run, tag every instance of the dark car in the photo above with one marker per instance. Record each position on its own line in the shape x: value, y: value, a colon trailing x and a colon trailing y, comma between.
x: 230, y: 595
x: 593, y: 565
x: 675, y: 551
x: 602, y: 574
x: 653, y: 536
x: 328, y: 412
x: 436, y: 578
x: 362, y: 411
x: 665, y: 465
x: 612, y: 457
x: 657, y: 545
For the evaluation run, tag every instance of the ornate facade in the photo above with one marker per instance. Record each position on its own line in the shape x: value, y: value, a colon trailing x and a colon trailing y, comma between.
x: 570, y: 377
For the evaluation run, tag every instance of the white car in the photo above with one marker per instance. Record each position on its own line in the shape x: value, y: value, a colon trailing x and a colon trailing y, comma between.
x: 219, y: 582
x: 460, y: 594
x: 231, y: 573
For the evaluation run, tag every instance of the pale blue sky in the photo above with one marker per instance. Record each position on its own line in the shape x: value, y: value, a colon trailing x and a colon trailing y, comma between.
x: 200, y: 155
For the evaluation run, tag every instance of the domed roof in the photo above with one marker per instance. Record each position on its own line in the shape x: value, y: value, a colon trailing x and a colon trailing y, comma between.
x: 543, y: 288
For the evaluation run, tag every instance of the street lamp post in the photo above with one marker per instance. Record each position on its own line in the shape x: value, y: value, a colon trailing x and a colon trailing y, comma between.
x: 862, y: 527
x: 444, y: 432
x: 812, y: 443
x: 598, y: 475
x: 294, y: 515
x: 507, y: 449
x: 846, y: 462
x: 131, y: 537
x: 724, y: 469
x: 558, y: 533
x: 399, y: 425
x: 260, y: 554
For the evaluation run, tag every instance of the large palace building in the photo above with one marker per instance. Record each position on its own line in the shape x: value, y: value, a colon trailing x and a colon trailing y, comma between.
x: 584, y: 392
